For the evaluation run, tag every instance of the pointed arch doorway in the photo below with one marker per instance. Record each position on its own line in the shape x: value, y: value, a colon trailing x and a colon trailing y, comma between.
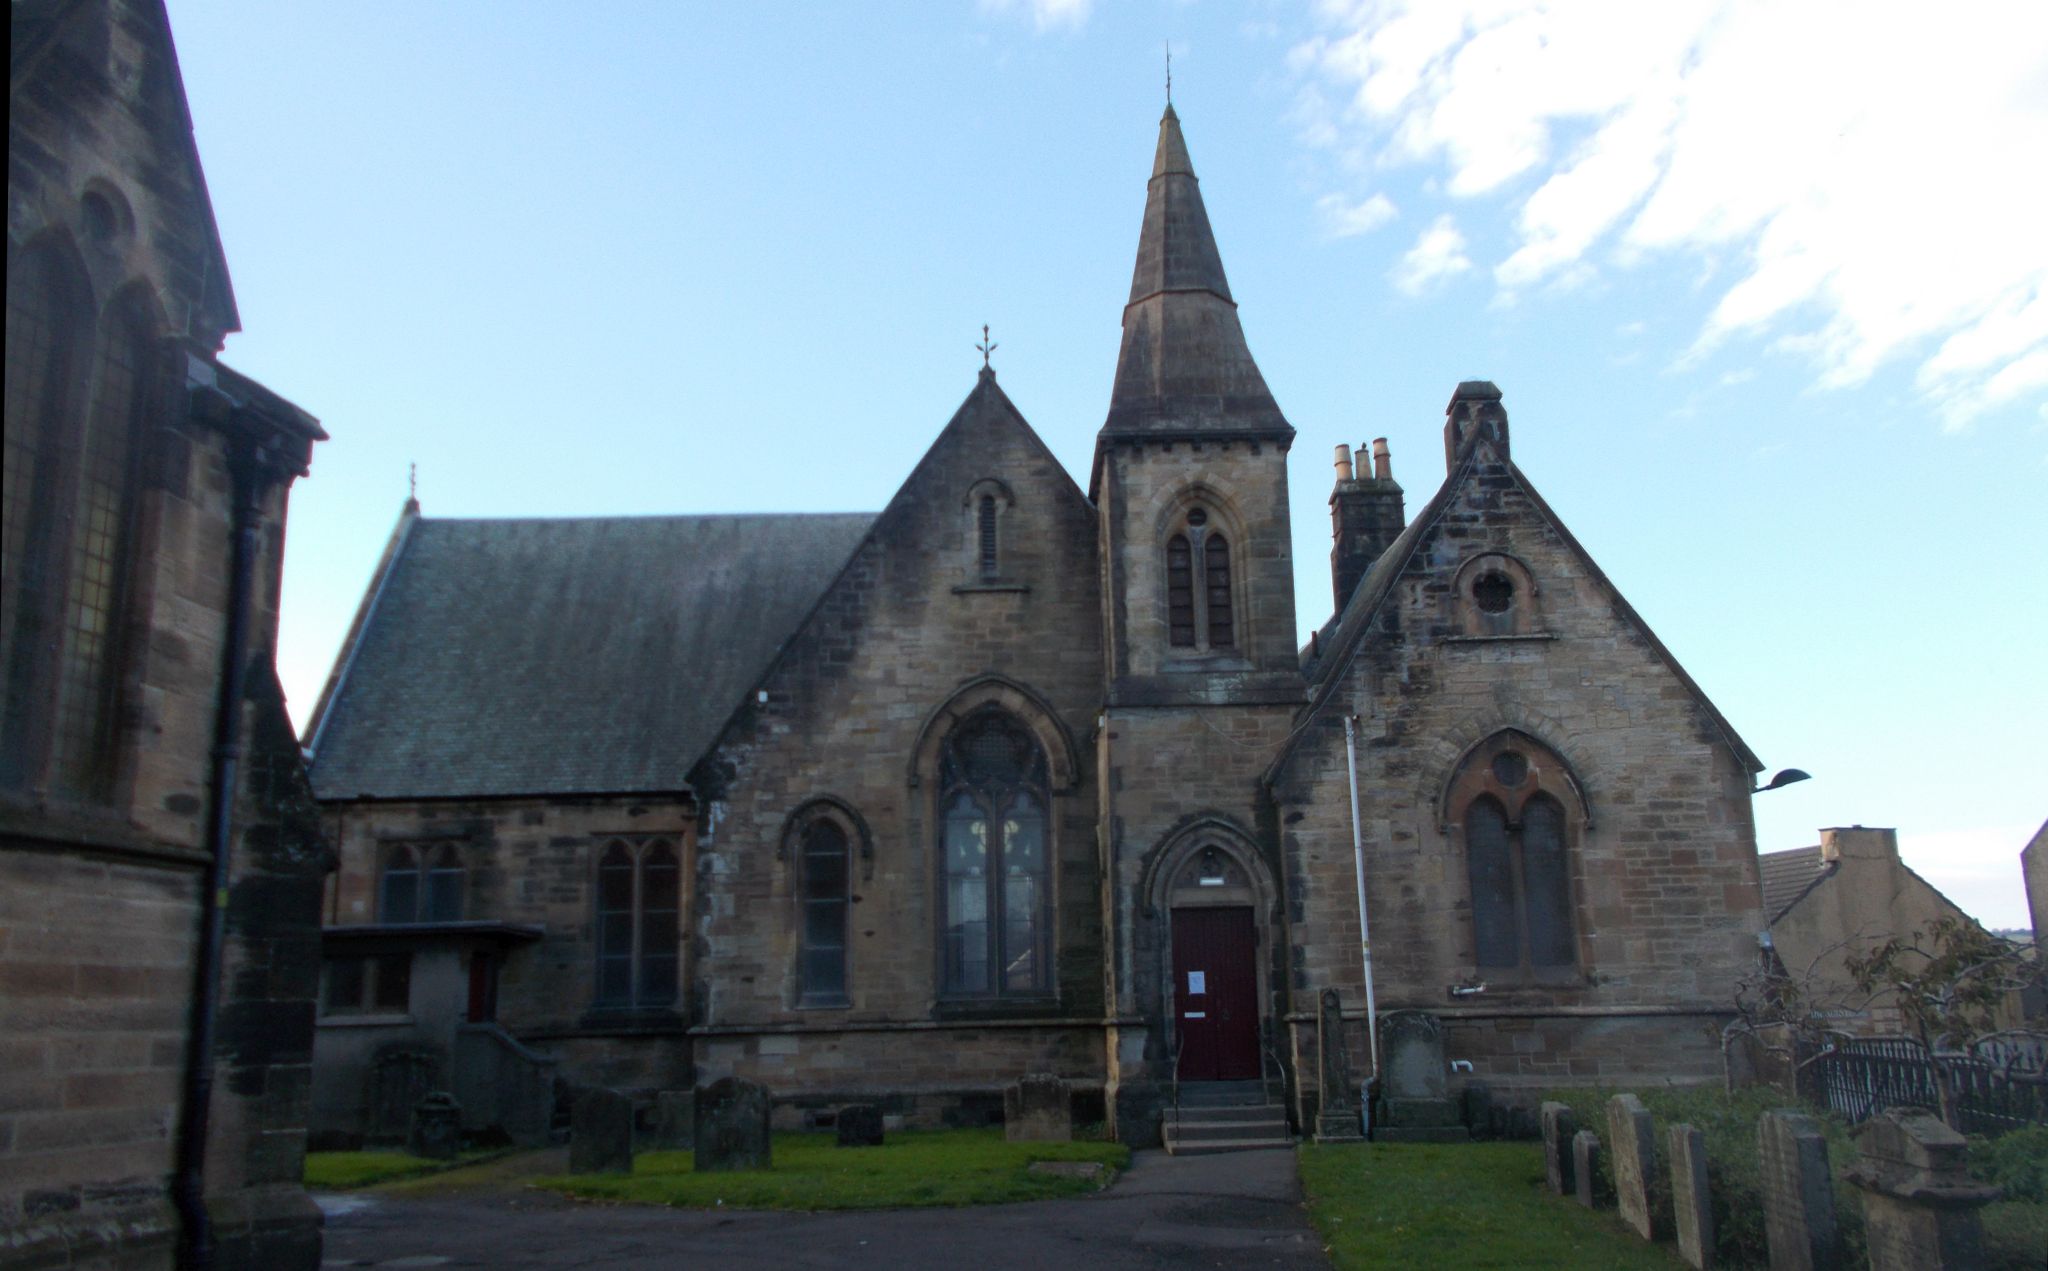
x: 1211, y: 890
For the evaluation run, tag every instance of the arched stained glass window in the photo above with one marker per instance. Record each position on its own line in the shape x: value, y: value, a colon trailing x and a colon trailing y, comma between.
x: 995, y: 850
x: 826, y: 891
x: 1180, y: 592
x: 1518, y: 856
x: 1200, y: 605
x: 1216, y: 591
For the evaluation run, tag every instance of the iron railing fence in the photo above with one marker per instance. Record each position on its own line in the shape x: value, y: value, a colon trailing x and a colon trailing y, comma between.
x: 1857, y: 1079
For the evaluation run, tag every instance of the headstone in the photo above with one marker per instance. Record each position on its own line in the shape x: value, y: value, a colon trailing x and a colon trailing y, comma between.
x: 1633, y: 1145
x: 1798, y: 1193
x: 399, y: 1078
x: 675, y: 1120
x: 601, y: 1133
x: 1691, y: 1203
x: 1558, y: 1127
x: 1337, y: 1118
x: 1417, y: 1103
x: 1586, y: 1168
x: 1480, y: 1113
x: 860, y: 1125
x: 436, y: 1127
x: 732, y: 1126
x: 1919, y: 1202
x: 1038, y: 1108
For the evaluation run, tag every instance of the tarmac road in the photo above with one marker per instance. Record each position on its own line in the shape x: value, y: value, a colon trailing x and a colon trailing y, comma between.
x: 1238, y: 1210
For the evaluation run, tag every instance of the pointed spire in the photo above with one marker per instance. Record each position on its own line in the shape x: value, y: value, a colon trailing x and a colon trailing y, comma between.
x: 1184, y: 366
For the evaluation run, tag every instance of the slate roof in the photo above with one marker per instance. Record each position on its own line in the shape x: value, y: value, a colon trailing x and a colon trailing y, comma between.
x: 594, y: 655
x: 1184, y: 367
x: 1787, y: 877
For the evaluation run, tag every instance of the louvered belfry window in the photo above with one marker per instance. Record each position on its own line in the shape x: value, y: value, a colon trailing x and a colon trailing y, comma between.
x: 995, y: 850
x: 1200, y: 610
x: 985, y: 526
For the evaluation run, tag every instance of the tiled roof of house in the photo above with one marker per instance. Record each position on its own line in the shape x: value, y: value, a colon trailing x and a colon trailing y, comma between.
x: 594, y: 655
x: 1787, y: 876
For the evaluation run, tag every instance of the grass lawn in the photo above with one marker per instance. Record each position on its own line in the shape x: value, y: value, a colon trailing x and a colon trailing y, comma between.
x: 811, y: 1171
x: 1458, y: 1205
x: 340, y: 1171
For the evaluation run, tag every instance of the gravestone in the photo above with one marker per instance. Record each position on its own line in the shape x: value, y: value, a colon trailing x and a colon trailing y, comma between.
x: 1482, y: 1118
x: 399, y: 1078
x: 436, y: 1127
x: 860, y: 1125
x: 1038, y: 1108
x: 732, y: 1126
x: 1798, y: 1192
x: 1558, y: 1127
x: 601, y: 1132
x: 1337, y: 1118
x: 1417, y: 1105
x: 1919, y: 1202
x: 1632, y: 1145
x: 1586, y: 1169
x: 675, y: 1120
x: 1691, y: 1203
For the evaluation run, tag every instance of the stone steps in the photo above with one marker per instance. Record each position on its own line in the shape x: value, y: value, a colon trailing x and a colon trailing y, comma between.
x: 1234, y: 1127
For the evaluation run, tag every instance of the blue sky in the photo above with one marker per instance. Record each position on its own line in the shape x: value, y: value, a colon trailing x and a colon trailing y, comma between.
x: 1765, y: 290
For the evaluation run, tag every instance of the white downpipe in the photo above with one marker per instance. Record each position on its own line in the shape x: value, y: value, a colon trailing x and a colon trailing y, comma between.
x: 1372, y: 1021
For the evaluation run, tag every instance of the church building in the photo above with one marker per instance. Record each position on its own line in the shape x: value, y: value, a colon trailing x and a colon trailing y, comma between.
x: 1020, y: 775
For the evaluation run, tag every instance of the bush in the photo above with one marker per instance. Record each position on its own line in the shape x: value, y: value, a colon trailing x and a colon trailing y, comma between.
x: 2016, y: 1161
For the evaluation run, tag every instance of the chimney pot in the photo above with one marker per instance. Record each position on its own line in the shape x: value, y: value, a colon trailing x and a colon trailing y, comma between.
x: 1382, y: 461
x: 1343, y: 462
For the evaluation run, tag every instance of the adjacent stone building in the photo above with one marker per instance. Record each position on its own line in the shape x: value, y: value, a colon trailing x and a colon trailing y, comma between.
x: 155, y: 1042
x: 1019, y: 777
x: 1844, y: 897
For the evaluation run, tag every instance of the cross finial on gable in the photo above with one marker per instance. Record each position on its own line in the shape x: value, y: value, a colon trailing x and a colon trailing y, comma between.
x: 986, y: 347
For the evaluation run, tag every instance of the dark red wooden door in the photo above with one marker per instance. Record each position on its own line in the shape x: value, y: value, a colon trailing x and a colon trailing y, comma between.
x: 1216, y: 994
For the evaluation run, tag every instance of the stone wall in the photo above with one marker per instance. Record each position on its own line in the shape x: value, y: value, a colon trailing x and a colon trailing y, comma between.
x: 1663, y: 878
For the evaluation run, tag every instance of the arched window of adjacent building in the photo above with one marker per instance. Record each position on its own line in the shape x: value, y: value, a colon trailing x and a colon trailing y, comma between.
x: 1200, y: 610
x: 639, y: 921
x: 1512, y: 800
x: 48, y: 336
x: 444, y: 886
x: 109, y: 461
x: 995, y: 860
x: 398, y: 890
x: 825, y: 869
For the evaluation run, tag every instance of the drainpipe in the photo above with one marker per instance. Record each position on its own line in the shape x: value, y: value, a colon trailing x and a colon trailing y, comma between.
x: 1372, y: 1021
x: 189, y: 1184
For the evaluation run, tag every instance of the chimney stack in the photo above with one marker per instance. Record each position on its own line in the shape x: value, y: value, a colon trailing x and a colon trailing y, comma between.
x: 1366, y: 516
x: 1475, y: 409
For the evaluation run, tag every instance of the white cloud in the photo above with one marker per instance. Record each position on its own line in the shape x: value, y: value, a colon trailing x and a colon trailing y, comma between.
x: 1438, y: 254
x: 1045, y: 14
x: 1344, y: 218
x: 1861, y: 184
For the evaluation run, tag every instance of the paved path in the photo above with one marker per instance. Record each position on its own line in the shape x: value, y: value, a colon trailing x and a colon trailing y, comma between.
x: 1239, y: 1209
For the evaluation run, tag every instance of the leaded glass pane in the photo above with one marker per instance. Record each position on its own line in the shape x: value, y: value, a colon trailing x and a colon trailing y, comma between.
x: 398, y: 898
x: 444, y: 887
x: 1546, y: 884
x: 1493, y: 885
x: 966, y: 896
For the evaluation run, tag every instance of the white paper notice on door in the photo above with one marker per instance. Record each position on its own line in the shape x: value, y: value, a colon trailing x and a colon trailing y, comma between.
x: 1198, y: 982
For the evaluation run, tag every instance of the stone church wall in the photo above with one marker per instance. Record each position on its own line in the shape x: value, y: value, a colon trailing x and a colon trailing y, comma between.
x: 910, y: 637
x: 1663, y: 873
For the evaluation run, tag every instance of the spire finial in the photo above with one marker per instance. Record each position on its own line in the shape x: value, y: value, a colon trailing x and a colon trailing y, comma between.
x: 1169, y: 74
x: 412, y: 481
x: 986, y: 347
